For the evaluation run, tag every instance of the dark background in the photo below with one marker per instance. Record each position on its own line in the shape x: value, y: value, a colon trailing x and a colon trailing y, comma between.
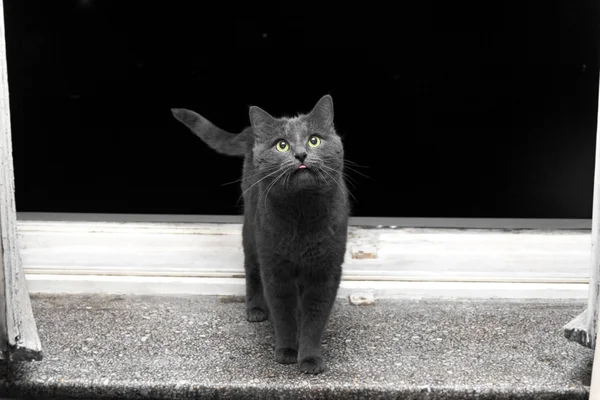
x: 458, y: 109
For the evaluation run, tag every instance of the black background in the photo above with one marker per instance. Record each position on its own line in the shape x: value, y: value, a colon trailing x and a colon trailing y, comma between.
x: 458, y: 109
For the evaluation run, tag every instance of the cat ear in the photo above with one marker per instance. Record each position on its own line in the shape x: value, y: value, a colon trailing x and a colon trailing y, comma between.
x: 259, y: 117
x: 323, y: 111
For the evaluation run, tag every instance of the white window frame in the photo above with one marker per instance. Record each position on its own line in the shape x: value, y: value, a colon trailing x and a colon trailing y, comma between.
x: 397, y: 258
x: 18, y: 333
x: 389, y: 257
x: 584, y: 328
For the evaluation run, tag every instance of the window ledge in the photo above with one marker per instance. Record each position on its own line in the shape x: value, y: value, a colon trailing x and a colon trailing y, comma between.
x: 195, y: 346
x: 88, y: 253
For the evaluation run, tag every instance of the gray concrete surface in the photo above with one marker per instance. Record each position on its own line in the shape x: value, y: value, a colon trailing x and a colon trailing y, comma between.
x: 202, y: 347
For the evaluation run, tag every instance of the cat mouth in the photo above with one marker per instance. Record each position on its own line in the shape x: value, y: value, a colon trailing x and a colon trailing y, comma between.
x: 302, y: 169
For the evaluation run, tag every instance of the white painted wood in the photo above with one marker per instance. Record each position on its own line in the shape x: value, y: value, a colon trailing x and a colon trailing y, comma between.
x: 19, y: 333
x: 593, y: 299
x: 414, y: 258
x: 154, y: 285
x: 583, y: 328
x: 381, y: 222
x: 595, y: 381
x: 4, y: 131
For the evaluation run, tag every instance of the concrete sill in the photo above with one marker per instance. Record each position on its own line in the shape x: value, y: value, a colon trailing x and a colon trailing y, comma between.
x: 139, y: 347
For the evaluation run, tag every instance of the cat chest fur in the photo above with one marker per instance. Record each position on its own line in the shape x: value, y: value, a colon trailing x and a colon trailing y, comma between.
x: 304, y: 245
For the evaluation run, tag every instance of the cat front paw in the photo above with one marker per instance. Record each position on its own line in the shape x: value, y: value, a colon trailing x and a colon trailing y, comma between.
x: 312, y: 365
x: 256, y: 314
x: 286, y: 355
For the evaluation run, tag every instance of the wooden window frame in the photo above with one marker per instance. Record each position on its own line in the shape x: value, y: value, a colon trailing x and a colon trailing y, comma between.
x: 19, y: 339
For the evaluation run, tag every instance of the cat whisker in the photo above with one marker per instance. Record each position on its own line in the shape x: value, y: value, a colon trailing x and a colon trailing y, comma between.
x: 351, y: 166
x: 350, y: 181
x: 270, y: 186
x: 347, y: 177
x: 357, y: 172
x: 241, y: 178
x: 324, y: 165
x: 287, y: 178
x: 258, y: 181
x: 345, y: 190
x: 346, y: 161
x: 231, y: 183
x: 322, y: 176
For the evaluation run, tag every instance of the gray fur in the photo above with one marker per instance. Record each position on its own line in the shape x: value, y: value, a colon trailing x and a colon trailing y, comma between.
x: 295, y: 223
x: 222, y: 141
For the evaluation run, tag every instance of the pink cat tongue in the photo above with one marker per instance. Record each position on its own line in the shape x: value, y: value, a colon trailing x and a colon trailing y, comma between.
x: 302, y: 166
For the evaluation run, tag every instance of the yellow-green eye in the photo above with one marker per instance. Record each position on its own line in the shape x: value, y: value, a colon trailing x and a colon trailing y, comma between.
x: 282, y: 146
x: 314, y: 141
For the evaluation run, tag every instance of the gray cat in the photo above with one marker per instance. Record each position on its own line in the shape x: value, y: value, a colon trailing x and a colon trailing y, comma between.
x: 296, y: 210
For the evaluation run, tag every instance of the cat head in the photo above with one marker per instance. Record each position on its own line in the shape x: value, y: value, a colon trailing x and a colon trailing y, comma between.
x: 299, y: 153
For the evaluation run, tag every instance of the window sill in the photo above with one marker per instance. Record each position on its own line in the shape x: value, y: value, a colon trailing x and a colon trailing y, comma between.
x: 201, y: 346
x: 86, y: 253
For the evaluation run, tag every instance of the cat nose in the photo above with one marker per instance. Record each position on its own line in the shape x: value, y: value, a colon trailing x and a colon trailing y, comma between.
x: 300, y: 156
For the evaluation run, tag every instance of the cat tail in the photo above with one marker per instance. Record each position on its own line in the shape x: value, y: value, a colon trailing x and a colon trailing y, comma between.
x: 230, y: 144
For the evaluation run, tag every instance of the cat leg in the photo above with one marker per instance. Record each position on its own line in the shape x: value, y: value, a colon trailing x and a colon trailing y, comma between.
x: 282, y: 298
x: 256, y: 306
x: 316, y: 301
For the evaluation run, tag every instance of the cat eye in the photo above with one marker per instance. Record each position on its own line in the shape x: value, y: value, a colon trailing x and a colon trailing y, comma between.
x: 282, y: 146
x: 314, y: 141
